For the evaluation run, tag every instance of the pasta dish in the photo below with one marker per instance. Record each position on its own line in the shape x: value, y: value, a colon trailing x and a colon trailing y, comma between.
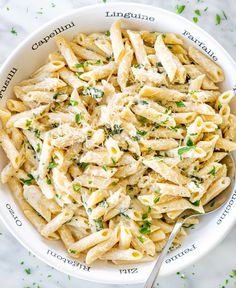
x: 113, y: 138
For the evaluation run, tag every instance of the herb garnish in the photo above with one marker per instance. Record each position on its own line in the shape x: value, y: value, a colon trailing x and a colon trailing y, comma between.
x: 183, y: 150
x: 197, y: 12
x: 189, y: 142
x: 74, y: 103
x: 93, y: 92
x: 104, y: 167
x: 115, y: 130
x: 103, y: 203
x: 158, y: 64
x: 223, y: 12
x: 180, y: 104
x: 52, y: 164
x: 28, y: 271
x: 82, y: 165
x: 218, y: 19
x: 141, y: 132
x: 139, y: 66
x: 13, y: 31
x: 76, y: 187
x: 145, y: 227
x: 196, y: 203
x: 212, y: 171
x: 98, y: 224
x: 55, y: 96
x: 78, y: 118
x: 38, y: 148
x: 28, y: 181
x: 156, y: 199
x: 48, y: 181
x: 179, y: 9
x: 140, y: 238
x: 72, y: 251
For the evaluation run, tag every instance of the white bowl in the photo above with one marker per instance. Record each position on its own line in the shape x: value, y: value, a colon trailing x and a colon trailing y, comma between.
x: 31, y: 54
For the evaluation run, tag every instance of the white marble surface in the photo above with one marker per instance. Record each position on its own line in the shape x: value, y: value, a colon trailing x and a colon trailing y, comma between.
x: 211, y: 271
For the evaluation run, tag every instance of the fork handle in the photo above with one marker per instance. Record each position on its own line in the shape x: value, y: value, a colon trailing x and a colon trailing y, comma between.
x: 155, y: 271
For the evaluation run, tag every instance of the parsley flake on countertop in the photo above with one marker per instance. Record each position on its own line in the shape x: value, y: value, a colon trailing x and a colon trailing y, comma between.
x: 197, y: 12
x: 13, y: 31
x: 179, y: 9
x: 28, y: 271
x: 224, y: 14
x: 218, y: 19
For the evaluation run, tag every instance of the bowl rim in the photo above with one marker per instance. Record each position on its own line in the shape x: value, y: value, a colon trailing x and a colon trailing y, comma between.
x: 134, y: 5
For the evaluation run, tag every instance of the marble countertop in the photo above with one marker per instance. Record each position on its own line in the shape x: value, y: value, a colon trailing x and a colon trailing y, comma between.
x: 18, y: 267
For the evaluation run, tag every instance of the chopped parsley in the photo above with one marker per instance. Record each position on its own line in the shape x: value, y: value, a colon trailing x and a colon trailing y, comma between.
x: 174, y: 129
x: 38, y: 148
x: 104, y: 167
x: 52, y: 164
x: 74, y: 103
x: 195, y: 19
x: 193, y: 134
x: 28, y: 271
x: 72, y: 251
x: 206, y: 9
x: 28, y: 122
x: 139, y: 66
x: 156, y: 199
x: 48, y: 181
x: 93, y: 92
x: 141, y: 132
x: 197, y: 12
x: 103, y: 203
x: 142, y: 119
x: 196, y: 203
x: 158, y: 64
x: 27, y: 181
x: 183, y: 150
x: 157, y: 125
x: 143, y: 102
x: 145, y: 227
x: 55, y: 96
x: 78, y: 118
x: 79, y: 65
x: 217, y: 19
x: 98, y: 224
x: 135, y: 138
x: 225, y: 16
x: 122, y: 213
x: 82, y: 165
x: 76, y: 187
x: 189, y: 142
x: 113, y: 161
x: 115, y: 130
x: 219, y: 106
x: 140, y: 238
x: 108, y: 33
x: 13, y: 31
x: 145, y: 215
x: 179, y: 8
x: 212, y: 171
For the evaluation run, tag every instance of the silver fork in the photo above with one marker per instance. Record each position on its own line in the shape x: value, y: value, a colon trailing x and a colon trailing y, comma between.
x: 210, y: 207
